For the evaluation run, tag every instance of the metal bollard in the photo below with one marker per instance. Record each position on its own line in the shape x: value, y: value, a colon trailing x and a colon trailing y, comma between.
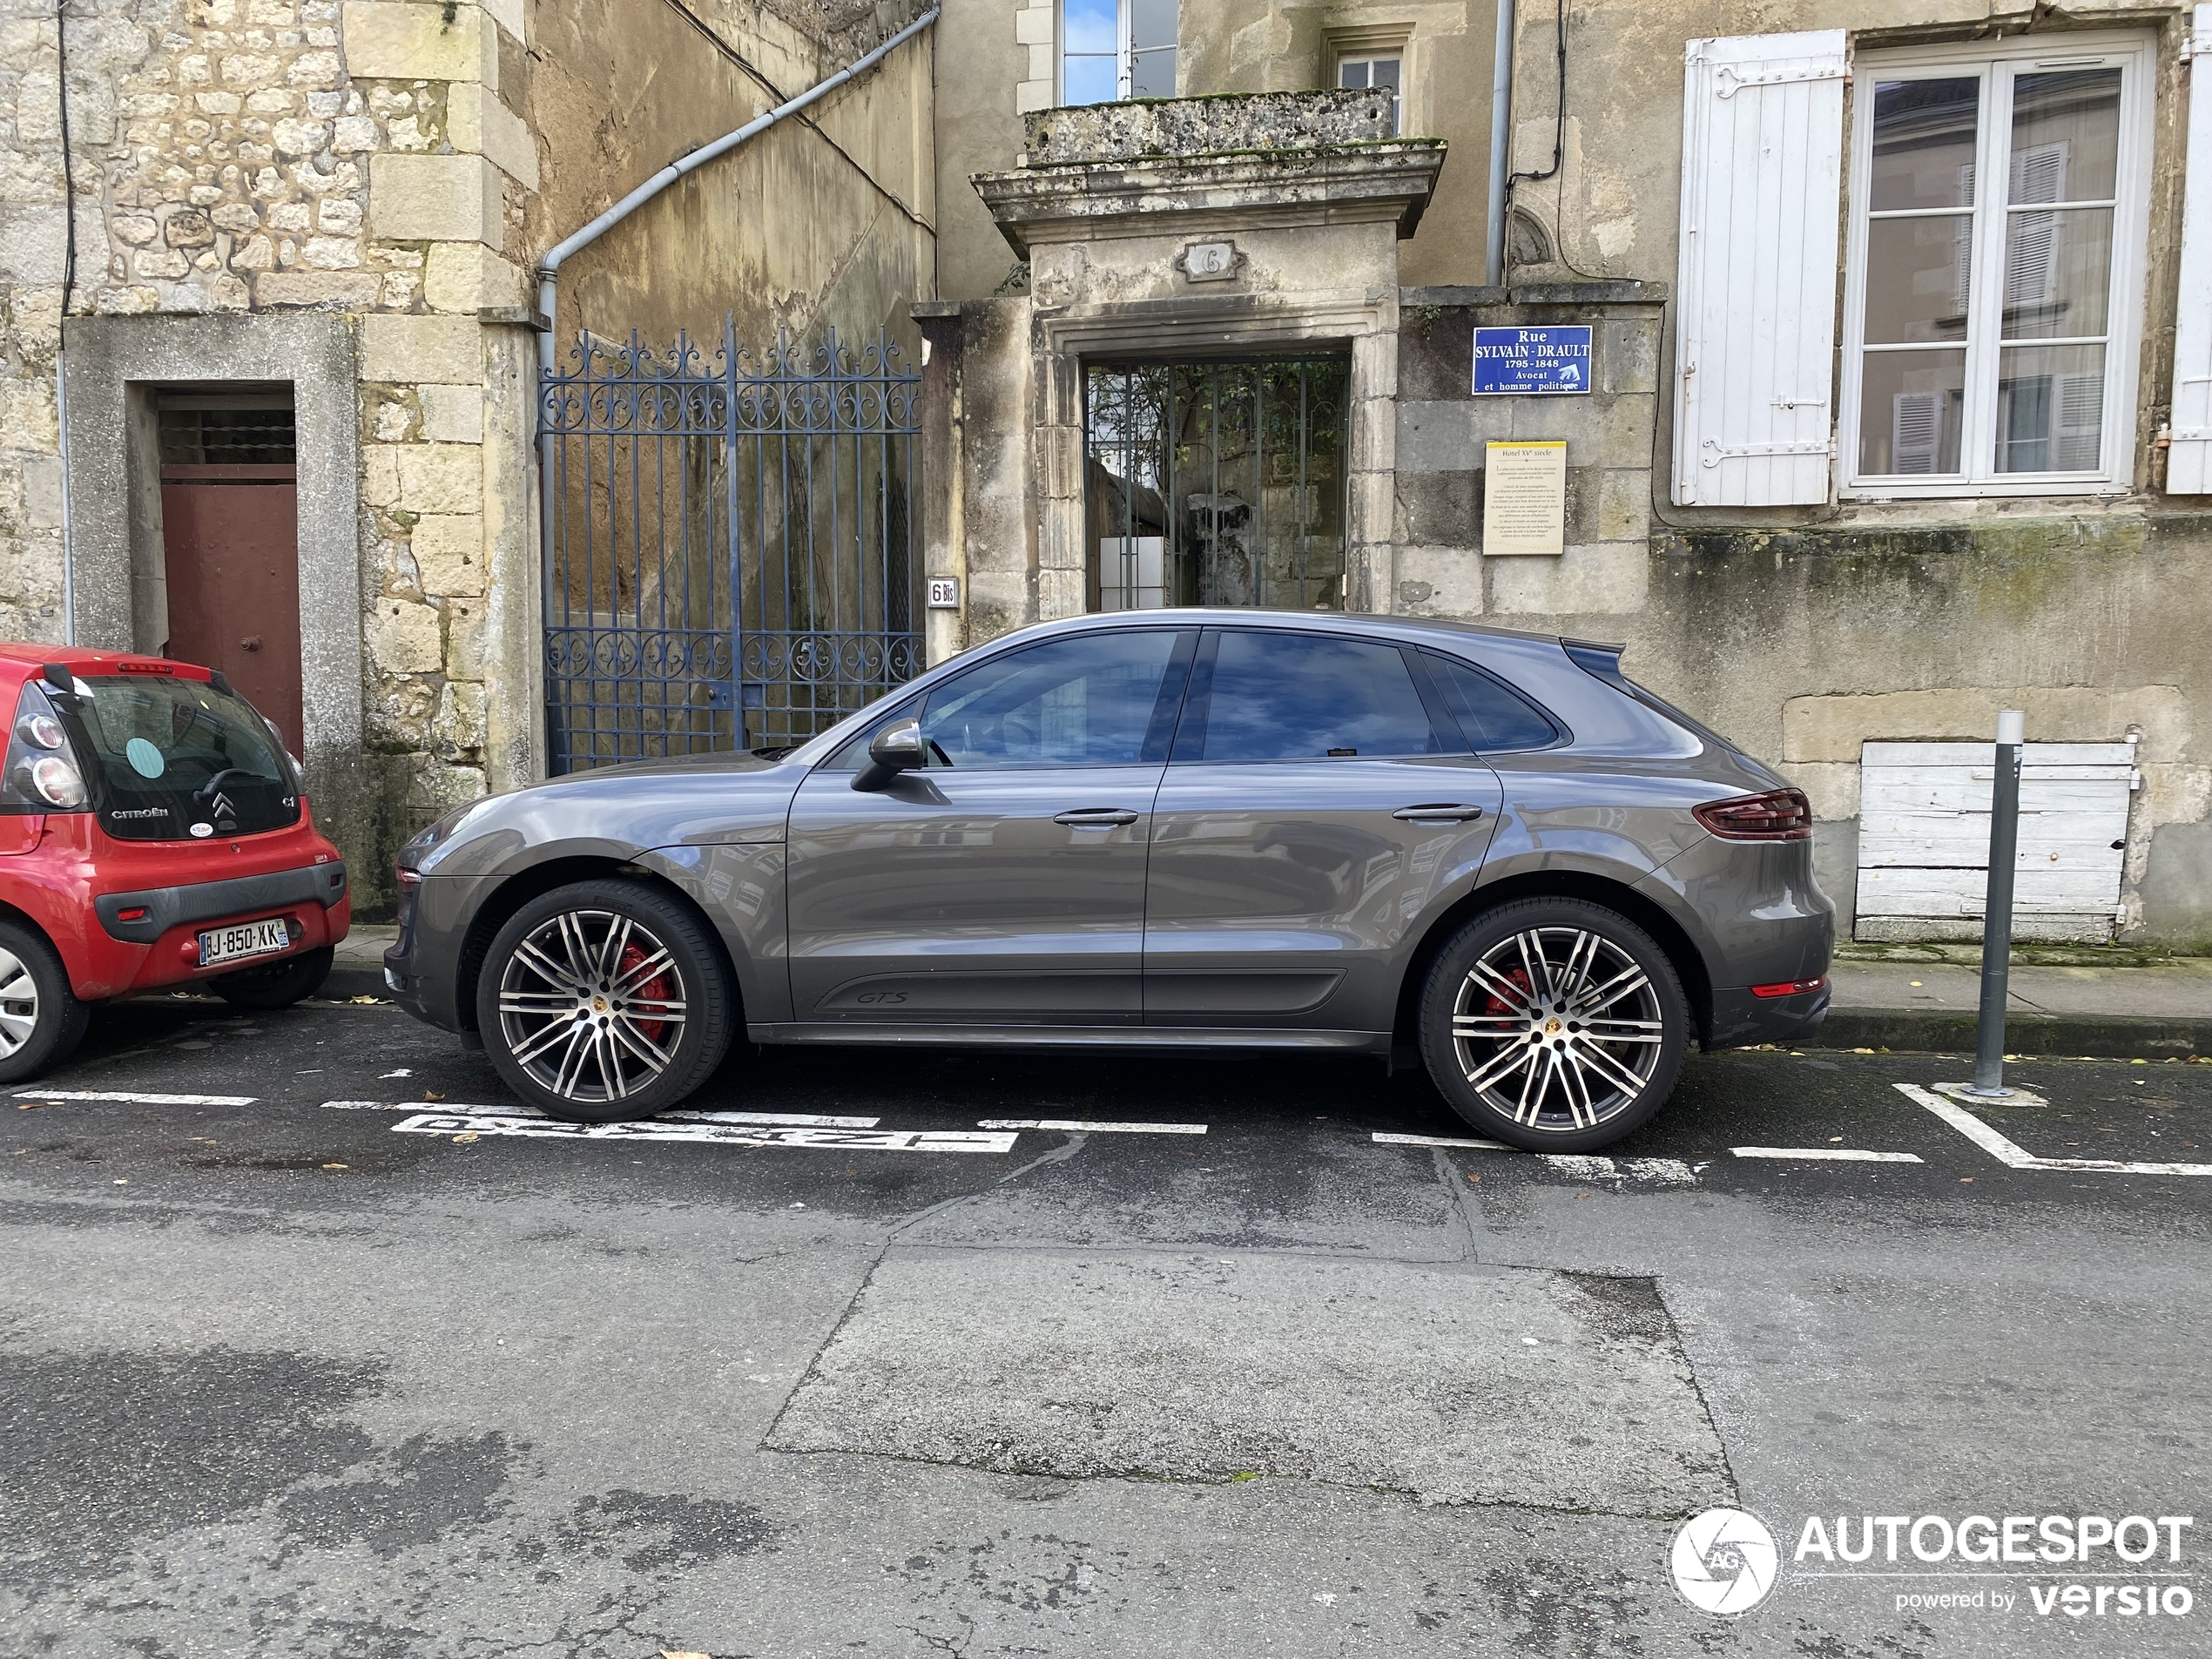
x: 1997, y: 911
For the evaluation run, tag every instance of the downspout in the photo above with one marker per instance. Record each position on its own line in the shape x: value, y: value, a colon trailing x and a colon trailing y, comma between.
x: 61, y: 323
x: 1501, y: 140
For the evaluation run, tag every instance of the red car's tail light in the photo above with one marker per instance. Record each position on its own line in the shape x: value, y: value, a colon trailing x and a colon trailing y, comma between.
x: 1790, y: 986
x: 1778, y: 815
x: 135, y: 913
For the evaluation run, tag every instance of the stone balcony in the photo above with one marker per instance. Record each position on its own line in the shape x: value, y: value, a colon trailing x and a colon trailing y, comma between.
x: 1308, y: 158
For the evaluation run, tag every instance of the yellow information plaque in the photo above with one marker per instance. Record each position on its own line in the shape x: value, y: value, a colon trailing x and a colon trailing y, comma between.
x: 1524, y: 498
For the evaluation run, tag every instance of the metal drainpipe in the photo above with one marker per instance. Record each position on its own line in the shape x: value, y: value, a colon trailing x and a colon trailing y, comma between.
x: 1501, y: 139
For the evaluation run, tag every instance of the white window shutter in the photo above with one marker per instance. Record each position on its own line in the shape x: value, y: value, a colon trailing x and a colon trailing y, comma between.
x: 2188, y: 464
x: 1762, y: 179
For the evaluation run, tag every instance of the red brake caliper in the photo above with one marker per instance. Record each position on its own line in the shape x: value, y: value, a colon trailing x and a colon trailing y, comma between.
x: 653, y: 990
x: 1519, y: 977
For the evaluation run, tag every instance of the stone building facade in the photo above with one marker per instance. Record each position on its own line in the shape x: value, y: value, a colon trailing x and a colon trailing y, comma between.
x: 334, y: 206
x: 1269, y: 222
x: 1842, y: 608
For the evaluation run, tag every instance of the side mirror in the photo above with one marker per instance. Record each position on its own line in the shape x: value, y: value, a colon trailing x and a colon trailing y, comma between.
x: 895, y: 749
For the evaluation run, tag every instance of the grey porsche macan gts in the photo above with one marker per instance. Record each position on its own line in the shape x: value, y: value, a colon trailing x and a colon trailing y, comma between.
x: 1150, y: 831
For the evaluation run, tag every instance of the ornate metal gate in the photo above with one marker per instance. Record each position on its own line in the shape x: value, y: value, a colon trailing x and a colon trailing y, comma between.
x: 729, y: 558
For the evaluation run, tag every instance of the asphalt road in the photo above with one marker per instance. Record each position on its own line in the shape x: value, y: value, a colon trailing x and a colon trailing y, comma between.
x: 397, y: 1377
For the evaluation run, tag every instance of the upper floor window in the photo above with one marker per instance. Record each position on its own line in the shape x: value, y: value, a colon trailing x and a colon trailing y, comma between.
x: 1116, y: 48
x: 1370, y: 69
x: 1997, y: 231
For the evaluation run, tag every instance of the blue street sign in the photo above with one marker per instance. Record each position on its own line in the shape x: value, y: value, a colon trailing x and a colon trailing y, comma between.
x: 1521, y: 361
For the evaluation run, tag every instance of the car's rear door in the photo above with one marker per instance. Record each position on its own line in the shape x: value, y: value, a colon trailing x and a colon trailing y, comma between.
x: 1003, y: 883
x: 1319, y: 800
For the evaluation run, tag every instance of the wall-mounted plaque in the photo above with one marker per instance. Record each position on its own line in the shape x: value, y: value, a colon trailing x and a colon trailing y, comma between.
x: 944, y: 593
x: 1532, y: 361
x: 1524, y: 498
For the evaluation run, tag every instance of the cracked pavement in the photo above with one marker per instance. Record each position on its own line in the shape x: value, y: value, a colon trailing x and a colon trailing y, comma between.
x: 276, y: 1380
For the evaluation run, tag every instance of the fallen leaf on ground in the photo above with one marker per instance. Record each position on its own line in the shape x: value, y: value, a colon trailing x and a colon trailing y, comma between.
x: 465, y: 1136
x: 333, y: 1166
x: 432, y: 1094
x: 33, y: 1105
x: 364, y: 999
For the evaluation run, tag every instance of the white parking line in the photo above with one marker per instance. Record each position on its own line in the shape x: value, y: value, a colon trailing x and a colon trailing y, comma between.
x: 771, y: 1120
x: 1827, y: 1154
x: 1076, y: 1126
x: 1382, y: 1139
x: 511, y: 1123
x: 135, y: 1099
x: 2010, y: 1152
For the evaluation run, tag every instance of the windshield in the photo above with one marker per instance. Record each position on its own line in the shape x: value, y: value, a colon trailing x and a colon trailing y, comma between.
x: 176, y: 759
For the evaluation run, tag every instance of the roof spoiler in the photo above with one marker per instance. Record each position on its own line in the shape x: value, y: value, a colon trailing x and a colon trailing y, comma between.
x: 1595, y: 657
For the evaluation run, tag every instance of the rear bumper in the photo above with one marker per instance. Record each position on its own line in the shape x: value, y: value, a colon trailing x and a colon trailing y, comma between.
x: 166, y: 908
x: 1741, y: 1020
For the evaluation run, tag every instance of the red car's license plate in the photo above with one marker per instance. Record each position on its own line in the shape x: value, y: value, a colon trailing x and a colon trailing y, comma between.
x: 245, y: 939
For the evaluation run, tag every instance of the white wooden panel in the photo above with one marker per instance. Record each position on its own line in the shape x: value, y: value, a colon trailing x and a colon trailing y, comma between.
x: 1924, y: 829
x: 1763, y: 173
x: 2188, y: 464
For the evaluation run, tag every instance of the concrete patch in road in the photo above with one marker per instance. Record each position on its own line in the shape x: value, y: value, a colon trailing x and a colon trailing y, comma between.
x: 1457, y: 1384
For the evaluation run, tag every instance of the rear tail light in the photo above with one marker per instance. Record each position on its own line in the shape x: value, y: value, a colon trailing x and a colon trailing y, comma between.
x: 54, y: 781
x: 1790, y: 986
x: 1778, y: 815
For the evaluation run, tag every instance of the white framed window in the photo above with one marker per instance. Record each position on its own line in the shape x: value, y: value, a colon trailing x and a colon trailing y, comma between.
x: 1116, y: 48
x: 1994, y: 300
x: 1364, y: 69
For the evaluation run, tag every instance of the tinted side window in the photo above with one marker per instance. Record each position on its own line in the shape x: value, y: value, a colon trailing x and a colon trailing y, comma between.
x: 1493, y: 718
x: 1087, y: 701
x: 1308, y: 696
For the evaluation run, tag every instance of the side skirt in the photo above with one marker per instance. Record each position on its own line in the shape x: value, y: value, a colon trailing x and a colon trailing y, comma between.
x: 1138, y: 1039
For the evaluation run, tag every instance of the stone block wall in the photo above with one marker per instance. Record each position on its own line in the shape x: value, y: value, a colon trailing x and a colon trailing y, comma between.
x: 1443, y: 426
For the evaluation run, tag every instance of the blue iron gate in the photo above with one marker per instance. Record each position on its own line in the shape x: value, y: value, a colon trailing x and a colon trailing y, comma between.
x: 729, y: 558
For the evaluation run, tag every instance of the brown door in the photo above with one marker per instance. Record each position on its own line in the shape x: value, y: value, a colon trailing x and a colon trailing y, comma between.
x: 231, y: 536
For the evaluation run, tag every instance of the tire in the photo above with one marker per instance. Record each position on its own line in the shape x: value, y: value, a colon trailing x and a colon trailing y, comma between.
x: 275, y: 985
x: 563, y: 1040
x: 1524, y: 1062
x: 41, y: 1020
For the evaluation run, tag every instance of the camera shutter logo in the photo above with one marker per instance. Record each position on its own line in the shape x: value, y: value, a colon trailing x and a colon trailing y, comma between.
x: 1725, y: 1562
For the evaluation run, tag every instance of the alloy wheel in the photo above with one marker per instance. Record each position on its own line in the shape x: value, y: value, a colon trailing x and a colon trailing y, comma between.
x: 592, y: 1005
x: 1558, y: 1028
x: 18, y: 1004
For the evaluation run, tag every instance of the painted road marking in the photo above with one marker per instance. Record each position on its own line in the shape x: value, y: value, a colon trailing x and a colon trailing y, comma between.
x: 135, y: 1099
x: 843, y: 1139
x: 1074, y: 1126
x: 1830, y: 1154
x: 771, y: 1120
x: 1659, y: 1172
x: 2010, y: 1152
x: 1382, y: 1139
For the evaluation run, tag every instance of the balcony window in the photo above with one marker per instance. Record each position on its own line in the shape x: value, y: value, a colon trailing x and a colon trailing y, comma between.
x: 1116, y: 48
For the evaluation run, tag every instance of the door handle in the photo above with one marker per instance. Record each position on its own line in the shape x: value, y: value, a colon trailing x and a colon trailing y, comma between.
x: 1095, y: 817
x: 1442, y: 813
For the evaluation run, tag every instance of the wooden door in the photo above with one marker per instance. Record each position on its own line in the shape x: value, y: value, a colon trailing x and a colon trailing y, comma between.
x: 231, y: 537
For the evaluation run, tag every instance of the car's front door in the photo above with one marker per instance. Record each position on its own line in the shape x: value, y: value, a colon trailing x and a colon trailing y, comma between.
x: 1320, y: 798
x: 1004, y: 881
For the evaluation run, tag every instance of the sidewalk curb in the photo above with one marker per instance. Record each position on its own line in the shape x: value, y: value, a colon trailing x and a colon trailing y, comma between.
x: 1925, y: 1031
x: 345, y: 982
